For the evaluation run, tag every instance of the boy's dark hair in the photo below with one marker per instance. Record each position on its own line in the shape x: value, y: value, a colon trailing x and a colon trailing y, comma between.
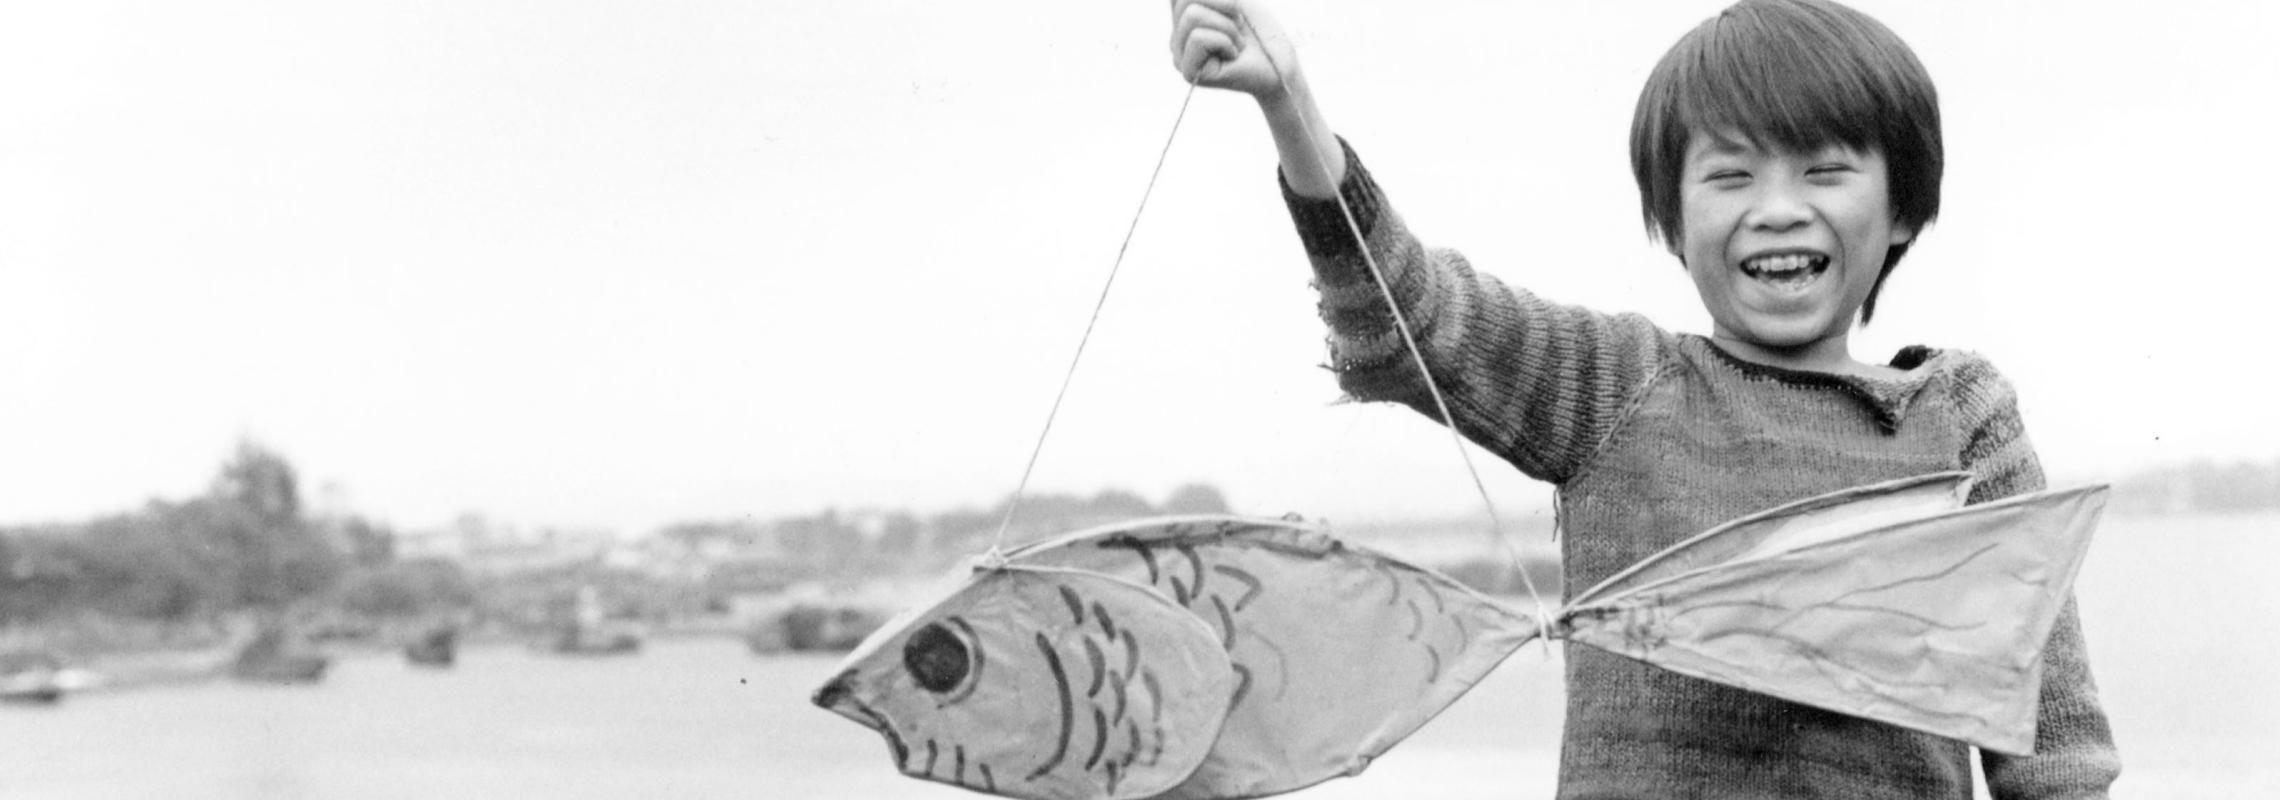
x: 1799, y: 75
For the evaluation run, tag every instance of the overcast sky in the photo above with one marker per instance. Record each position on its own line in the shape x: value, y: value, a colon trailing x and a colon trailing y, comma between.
x: 617, y: 264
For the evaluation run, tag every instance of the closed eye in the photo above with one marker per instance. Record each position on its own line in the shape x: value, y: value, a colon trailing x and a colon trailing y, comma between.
x: 1829, y: 174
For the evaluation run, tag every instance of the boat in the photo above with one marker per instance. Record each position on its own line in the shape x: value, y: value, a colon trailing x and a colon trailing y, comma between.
x: 31, y: 678
x: 592, y: 642
x: 438, y: 646
x: 813, y: 627
x: 275, y: 656
x: 589, y: 633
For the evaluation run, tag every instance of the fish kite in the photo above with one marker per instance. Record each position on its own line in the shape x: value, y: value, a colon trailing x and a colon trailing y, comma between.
x: 1217, y: 656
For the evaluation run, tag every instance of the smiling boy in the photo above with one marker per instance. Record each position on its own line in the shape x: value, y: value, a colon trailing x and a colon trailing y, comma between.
x: 1787, y: 152
x: 1785, y: 247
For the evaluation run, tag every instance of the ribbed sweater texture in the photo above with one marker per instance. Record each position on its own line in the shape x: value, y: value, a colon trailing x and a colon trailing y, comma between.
x: 1651, y: 437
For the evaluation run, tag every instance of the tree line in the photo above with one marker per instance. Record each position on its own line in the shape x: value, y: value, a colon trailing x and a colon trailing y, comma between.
x: 838, y: 544
x: 249, y: 545
x: 2203, y: 485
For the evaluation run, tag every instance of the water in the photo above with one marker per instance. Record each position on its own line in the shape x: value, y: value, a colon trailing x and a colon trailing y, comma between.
x: 2176, y: 611
x: 2179, y: 613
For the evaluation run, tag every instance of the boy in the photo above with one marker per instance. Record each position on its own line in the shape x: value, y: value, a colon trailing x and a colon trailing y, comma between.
x: 1787, y: 152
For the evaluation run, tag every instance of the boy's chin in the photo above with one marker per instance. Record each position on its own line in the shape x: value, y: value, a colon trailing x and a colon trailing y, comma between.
x: 1788, y: 336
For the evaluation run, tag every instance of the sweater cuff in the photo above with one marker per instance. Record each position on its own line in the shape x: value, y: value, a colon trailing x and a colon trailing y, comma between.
x: 1321, y: 227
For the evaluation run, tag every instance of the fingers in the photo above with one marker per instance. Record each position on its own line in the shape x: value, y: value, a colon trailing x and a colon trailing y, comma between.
x: 1207, y: 52
x: 1196, y: 16
x: 1230, y: 8
x: 1204, y: 38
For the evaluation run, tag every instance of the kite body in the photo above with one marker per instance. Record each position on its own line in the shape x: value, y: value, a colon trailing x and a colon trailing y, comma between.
x: 1339, y: 651
x: 1230, y: 657
x: 1279, y: 656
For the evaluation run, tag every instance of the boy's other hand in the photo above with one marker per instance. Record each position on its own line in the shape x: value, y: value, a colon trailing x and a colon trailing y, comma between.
x: 1225, y: 44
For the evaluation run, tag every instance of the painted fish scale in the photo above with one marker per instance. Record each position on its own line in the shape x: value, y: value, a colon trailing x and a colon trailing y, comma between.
x: 1338, y: 652
x: 1043, y: 684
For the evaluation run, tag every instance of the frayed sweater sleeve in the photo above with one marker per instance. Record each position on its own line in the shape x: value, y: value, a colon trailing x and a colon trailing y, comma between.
x: 1540, y: 384
x: 2074, y: 747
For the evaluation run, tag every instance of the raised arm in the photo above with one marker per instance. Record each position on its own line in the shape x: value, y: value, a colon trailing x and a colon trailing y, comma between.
x: 1540, y: 384
x: 1231, y: 44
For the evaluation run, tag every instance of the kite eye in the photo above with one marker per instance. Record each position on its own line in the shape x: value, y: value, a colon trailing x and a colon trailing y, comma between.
x: 936, y: 658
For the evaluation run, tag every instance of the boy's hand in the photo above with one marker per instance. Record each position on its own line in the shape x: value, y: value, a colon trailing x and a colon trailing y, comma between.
x: 1225, y: 44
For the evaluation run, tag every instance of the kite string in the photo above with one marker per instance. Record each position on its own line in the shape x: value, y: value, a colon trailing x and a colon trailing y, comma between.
x: 996, y: 555
x: 1409, y: 340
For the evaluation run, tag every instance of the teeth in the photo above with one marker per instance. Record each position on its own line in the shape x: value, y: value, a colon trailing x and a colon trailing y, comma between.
x: 1787, y: 262
x: 1787, y: 271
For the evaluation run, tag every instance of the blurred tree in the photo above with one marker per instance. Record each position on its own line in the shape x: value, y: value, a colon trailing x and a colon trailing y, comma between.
x: 1050, y: 514
x: 134, y: 565
x: 1118, y: 504
x: 259, y: 480
x: 899, y: 535
x: 695, y: 536
x: 824, y: 542
x: 2200, y: 485
x: 472, y: 526
x: 246, y: 542
x: 1196, y: 498
x: 368, y: 543
x: 38, y: 575
x: 269, y: 562
x: 409, y: 588
x: 251, y: 520
x: 2239, y: 486
x: 962, y: 531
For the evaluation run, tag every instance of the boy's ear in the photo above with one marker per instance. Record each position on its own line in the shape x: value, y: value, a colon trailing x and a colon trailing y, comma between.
x: 1902, y: 232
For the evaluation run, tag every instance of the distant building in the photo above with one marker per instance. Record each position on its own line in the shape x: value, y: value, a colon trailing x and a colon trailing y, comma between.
x: 486, y: 548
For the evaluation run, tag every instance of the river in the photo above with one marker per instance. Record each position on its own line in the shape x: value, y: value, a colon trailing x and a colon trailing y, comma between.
x: 2179, y: 613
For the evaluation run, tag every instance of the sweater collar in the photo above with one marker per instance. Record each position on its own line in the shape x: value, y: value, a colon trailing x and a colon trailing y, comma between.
x: 1886, y: 398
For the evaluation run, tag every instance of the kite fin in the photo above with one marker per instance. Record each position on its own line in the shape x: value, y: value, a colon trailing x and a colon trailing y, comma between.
x: 1893, y: 609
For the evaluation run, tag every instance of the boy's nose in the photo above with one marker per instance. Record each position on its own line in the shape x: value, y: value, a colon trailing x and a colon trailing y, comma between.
x: 1778, y: 209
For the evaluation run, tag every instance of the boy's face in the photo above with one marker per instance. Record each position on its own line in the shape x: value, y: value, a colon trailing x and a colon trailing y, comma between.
x: 1784, y: 246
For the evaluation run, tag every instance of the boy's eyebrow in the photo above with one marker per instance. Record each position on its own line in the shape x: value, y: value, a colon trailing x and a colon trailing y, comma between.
x: 1721, y: 144
x: 1734, y: 144
x: 1727, y: 143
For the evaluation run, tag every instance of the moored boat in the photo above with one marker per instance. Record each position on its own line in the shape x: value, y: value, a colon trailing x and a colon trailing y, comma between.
x: 274, y: 656
x: 31, y: 677
x: 589, y: 632
x: 436, y: 647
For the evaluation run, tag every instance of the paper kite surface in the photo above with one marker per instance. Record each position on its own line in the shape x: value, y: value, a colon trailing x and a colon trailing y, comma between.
x: 1041, y: 684
x: 1340, y: 652
x: 1315, y: 657
x: 1891, y: 602
x: 1229, y: 657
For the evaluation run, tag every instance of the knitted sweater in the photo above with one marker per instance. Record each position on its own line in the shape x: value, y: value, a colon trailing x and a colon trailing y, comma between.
x: 1651, y: 437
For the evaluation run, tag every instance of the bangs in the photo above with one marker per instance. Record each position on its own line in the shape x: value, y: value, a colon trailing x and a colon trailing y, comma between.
x: 1778, y: 86
x: 1796, y: 75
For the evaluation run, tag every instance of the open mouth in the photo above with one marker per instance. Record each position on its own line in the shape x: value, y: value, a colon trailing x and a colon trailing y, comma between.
x: 1786, y: 271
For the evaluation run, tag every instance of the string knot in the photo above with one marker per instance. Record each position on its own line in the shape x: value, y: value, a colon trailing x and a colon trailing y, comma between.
x: 991, y: 560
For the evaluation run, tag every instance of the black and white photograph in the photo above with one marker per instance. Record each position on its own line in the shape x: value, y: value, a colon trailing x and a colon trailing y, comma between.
x: 1174, y: 399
